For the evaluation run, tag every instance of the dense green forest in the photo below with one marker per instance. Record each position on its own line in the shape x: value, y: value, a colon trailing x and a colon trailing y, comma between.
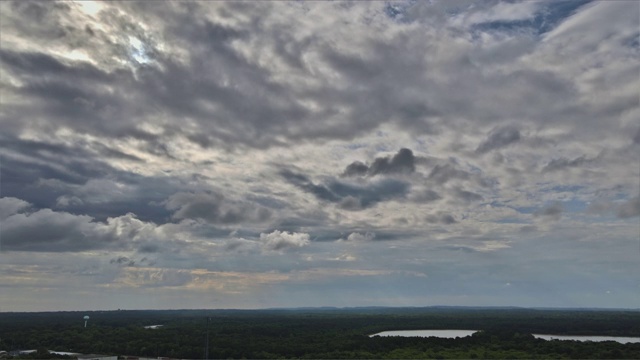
x: 322, y: 333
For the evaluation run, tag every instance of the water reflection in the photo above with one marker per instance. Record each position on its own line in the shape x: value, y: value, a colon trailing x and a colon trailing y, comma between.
x: 427, y: 333
x: 451, y: 334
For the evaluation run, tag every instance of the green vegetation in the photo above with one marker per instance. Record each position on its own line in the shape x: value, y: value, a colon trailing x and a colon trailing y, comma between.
x: 323, y: 333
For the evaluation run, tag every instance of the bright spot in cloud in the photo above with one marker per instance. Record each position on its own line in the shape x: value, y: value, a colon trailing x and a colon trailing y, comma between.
x: 138, y: 50
x: 90, y: 7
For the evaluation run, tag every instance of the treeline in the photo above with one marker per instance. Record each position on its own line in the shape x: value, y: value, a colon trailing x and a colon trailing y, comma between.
x: 327, y: 333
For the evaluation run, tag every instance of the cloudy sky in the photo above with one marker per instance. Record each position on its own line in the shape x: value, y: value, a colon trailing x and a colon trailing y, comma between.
x: 278, y: 154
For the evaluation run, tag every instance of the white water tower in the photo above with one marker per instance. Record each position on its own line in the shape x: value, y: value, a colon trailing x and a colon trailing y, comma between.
x: 86, y: 318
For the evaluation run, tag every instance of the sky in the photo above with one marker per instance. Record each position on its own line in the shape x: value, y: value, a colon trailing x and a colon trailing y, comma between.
x: 176, y: 155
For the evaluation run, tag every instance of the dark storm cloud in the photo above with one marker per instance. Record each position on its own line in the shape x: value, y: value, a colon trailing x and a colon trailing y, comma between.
x: 75, y: 177
x: 80, y: 96
x: 46, y: 230
x: 372, y: 193
x: 552, y: 212
x: 564, y: 163
x: 144, y: 204
x: 356, y: 168
x: 401, y: 163
x: 215, y: 208
x: 304, y: 183
x: 441, y: 218
x: 26, y: 64
x: 49, y: 231
x: 22, y: 174
x: 72, y: 164
x: 149, y: 248
x: 350, y: 196
x: 443, y: 173
x: 499, y: 138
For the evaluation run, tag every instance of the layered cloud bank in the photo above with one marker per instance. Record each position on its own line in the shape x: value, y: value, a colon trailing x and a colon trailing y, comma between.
x: 233, y: 154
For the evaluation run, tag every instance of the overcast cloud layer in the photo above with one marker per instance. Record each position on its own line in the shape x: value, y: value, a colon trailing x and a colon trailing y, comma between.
x: 276, y: 154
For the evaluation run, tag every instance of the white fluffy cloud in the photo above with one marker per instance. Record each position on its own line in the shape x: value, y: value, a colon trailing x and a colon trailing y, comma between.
x: 282, y: 240
x: 356, y: 236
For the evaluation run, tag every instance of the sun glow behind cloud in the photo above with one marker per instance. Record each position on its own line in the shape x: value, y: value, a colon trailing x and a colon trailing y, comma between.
x: 89, y: 7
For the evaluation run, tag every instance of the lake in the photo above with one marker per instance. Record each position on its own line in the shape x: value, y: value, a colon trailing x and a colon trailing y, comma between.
x: 427, y: 333
x: 620, y: 339
x: 451, y: 334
